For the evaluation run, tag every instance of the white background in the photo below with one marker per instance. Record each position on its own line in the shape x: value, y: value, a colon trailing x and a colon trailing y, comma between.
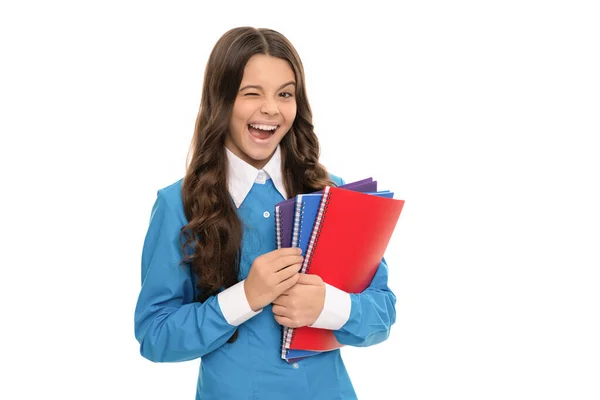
x: 480, y: 114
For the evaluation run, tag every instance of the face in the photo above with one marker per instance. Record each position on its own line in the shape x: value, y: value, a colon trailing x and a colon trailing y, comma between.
x: 263, y: 111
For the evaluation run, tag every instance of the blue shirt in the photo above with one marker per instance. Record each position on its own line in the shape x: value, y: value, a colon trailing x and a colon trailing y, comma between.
x: 171, y: 327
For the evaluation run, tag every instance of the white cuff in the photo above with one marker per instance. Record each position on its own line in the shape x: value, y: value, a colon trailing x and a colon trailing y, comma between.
x: 234, y: 305
x: 336, y: 309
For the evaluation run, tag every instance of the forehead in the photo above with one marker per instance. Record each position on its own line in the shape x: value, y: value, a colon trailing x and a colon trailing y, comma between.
x: 266, y: 70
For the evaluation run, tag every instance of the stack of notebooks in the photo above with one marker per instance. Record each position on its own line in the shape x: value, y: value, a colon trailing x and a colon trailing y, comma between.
x: 343, y: 233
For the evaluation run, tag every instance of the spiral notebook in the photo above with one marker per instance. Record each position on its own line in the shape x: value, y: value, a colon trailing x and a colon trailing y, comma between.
x: 286, y: 224
x: 305, y: 215
x: 361, y: 224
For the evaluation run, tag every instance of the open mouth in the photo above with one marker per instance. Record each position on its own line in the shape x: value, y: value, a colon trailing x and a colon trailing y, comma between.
x: 261, y: 131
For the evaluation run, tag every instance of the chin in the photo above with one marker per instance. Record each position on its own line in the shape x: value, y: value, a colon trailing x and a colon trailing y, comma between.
x: 260, y: 155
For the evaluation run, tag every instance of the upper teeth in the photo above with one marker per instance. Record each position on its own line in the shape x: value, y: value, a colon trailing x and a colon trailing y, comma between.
x: 264, y: 127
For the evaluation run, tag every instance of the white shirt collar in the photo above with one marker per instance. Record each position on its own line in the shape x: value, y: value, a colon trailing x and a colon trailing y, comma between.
x: 241, y: 175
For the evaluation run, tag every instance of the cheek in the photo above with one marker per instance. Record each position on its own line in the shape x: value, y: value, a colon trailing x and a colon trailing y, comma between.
x: 240, y: 117
x: 289, y: 112
x: 234, y: 125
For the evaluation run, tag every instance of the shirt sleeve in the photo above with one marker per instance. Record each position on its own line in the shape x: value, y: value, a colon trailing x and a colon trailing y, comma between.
x: 169, y: 325
x: 372, y: 314
x: 336, y: 309
x: 234, y: 304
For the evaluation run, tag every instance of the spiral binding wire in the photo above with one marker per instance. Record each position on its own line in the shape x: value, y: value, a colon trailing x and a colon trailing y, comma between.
x: 278, y: 226
x: 298, y: 214
x: 289, y: 334
x: 317, y: 230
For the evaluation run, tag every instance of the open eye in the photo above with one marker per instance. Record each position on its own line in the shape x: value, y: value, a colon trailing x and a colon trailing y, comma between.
x: 285, y: 95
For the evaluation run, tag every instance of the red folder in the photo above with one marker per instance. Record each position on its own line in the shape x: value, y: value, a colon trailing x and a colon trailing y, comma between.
x: 348, y: 242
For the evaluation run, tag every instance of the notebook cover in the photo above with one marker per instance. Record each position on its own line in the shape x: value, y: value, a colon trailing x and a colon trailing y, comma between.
x: 347, y: 245
x: 306, y: 210
x: 383, y: 193
x: 305, y: 214
x: 293, y: 356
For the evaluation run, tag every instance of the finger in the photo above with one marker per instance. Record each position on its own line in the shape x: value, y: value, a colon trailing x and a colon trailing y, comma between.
x: 280, y: 311
x: 285, y: 273
x: 309, y: 279
x: 293, y: 290
x: 290, y: 250
x: 287, y: 251
x: 287, y: 293
x: 282, y: 301
x: 284, y: 251
x: 285, y: 321
x: 284, y: 262
x: 287, y: 283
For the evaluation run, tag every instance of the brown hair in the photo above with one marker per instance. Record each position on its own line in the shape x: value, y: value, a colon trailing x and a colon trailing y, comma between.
x: 211, y: 241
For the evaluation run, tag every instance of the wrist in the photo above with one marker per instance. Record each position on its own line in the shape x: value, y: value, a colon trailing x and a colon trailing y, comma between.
x: 323, y: 295
x: 254, y: 306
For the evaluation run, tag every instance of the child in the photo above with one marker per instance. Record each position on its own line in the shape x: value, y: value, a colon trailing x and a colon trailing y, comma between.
x: 214, y: 285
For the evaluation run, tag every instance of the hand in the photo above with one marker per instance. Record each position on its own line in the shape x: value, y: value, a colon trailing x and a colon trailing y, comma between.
x: 302, y: 304
x: 271, y: 274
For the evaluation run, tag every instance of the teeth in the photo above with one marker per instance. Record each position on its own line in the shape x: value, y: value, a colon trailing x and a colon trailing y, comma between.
x: 264, y: 127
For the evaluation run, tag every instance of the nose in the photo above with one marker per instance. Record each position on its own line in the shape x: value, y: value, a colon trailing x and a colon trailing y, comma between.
x: 269, y: 107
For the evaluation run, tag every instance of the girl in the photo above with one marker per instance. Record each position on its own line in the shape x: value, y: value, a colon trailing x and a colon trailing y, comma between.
x: 214, y: 286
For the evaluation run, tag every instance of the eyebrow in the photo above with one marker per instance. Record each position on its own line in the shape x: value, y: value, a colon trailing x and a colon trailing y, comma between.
x: 260, y: 87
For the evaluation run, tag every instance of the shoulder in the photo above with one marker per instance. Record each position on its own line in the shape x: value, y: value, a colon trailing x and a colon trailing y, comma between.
x: 170, y: 197
x: 336, y: 179
x: 171, y: 192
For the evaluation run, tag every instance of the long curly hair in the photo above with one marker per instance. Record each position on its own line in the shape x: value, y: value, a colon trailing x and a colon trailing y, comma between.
x: 211, y: 241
